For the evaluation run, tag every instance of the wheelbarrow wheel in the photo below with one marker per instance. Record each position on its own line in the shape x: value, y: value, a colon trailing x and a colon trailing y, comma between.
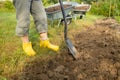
x: 81, y: 16
x: 68, y: 20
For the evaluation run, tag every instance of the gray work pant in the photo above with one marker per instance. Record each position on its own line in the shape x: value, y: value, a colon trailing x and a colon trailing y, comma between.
x: 23, y: 10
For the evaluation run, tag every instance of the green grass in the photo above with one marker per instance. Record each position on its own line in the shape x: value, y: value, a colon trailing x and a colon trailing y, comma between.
x: 12, y: 57
x: 9, y: 49
x: 117, y: 18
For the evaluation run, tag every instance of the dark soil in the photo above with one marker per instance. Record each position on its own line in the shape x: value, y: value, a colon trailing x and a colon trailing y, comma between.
x: 99, y: 47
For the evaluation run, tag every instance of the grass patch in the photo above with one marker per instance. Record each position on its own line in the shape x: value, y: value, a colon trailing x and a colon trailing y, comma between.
x: 117, y: 18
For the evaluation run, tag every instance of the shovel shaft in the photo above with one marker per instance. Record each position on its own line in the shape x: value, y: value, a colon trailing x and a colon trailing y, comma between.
x: 64, y: 18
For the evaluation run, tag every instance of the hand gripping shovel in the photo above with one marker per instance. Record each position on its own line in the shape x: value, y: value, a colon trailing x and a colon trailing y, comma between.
x: 70, y: 46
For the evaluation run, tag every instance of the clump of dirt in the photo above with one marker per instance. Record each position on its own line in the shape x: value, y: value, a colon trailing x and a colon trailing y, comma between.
x: 100, y: 59
x: 108, y: 22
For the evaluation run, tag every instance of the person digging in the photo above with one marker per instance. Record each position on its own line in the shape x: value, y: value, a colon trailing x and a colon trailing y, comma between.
x: 23, y: 10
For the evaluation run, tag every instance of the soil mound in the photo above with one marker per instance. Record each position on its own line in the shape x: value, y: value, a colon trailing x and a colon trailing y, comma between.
x: 100, y: 58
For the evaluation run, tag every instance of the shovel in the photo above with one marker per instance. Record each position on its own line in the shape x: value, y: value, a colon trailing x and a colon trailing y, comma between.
x: 69, y: 44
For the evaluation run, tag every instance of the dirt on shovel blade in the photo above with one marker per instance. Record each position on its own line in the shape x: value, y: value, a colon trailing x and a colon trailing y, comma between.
x: 99, y: 47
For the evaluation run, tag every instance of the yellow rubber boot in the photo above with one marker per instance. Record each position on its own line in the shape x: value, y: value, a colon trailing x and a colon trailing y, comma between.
x: 47, y: 44
x: 27, y: 47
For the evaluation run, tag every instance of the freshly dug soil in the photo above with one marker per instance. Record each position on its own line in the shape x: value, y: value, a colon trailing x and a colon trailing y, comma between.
x: 99, y: 47
x: 56, y: 8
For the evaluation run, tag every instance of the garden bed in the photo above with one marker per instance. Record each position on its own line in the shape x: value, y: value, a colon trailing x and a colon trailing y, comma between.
x: 99, y: 47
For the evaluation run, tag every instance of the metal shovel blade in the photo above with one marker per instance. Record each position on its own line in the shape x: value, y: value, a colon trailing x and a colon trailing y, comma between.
x: 70, y: 46
x: 72, y: 49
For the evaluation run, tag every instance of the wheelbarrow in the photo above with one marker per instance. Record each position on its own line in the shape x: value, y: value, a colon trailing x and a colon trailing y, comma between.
x: 81, y: 10
x: 54, y: 13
